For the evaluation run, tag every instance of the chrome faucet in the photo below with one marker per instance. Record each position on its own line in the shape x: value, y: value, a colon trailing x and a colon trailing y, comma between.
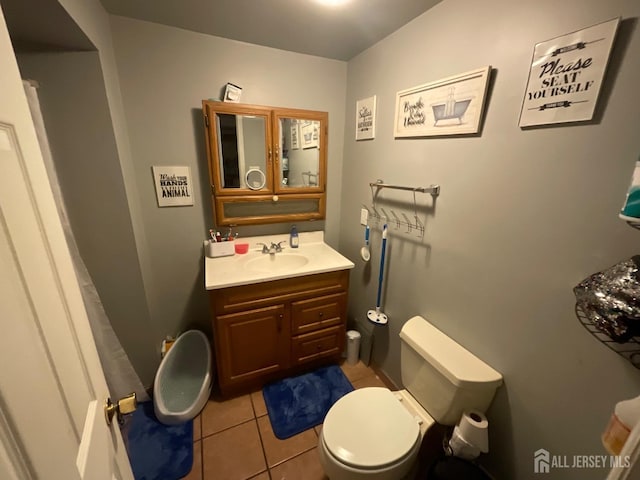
x: 277, y: 246
x: 273, y: 249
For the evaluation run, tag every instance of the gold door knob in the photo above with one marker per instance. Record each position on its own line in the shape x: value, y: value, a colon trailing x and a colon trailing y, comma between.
x: 125, y: 406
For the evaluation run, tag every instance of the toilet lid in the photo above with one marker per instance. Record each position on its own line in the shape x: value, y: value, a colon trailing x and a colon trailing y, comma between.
x: 369, y: 428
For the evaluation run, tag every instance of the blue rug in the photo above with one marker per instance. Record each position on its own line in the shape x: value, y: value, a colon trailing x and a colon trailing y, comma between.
x: 157, y: 451
x: 299, y: 403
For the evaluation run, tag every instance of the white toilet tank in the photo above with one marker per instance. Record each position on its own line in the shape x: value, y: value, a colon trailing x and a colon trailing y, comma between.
x: 444, y: 377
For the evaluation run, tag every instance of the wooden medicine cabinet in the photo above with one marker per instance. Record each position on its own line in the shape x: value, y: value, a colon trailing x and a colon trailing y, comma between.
x: 266, y: 164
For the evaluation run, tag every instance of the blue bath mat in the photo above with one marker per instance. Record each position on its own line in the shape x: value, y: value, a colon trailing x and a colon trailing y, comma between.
x: 299, y: 403
x: 157, y: 451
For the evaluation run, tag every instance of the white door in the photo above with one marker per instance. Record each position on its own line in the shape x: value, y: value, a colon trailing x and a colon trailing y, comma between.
x: 52, y: 388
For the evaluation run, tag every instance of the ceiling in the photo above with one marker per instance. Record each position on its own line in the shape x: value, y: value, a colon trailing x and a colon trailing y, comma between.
x: 303, y: 26
x: 50, y: 29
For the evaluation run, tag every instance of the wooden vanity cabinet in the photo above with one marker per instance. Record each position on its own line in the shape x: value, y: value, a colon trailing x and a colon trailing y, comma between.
x: 279, y: 328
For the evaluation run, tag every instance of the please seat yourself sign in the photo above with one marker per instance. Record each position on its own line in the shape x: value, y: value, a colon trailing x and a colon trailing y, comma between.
x: 566, y: 75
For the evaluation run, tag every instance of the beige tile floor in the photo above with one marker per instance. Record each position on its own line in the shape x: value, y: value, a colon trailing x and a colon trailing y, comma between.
x: 233, y: 439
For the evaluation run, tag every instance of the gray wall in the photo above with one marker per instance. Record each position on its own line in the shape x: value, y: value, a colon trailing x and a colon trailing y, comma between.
x: 91, y: 17
x: 76, y: 114
x: 164, y: 74
x: 522, y: 218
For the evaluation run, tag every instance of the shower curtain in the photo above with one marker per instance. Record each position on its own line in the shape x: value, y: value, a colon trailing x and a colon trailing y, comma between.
x: 119, y: 373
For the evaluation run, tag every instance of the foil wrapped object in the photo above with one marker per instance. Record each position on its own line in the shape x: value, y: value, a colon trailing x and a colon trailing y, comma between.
x: 611, y: 300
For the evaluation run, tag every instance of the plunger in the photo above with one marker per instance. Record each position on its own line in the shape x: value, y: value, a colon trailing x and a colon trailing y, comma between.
x: 377, y: 316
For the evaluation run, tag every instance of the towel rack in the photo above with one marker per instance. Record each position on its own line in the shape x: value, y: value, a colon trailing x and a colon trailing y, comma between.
x: 312, y: 179
x: 393, y: 219
x: 434, y: 190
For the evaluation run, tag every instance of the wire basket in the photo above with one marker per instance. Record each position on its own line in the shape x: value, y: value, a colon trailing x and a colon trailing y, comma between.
x: 629, y: 349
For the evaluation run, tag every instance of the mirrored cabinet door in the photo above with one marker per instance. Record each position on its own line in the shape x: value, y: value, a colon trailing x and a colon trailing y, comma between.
x: 240, y: 149
x: 300, y: 151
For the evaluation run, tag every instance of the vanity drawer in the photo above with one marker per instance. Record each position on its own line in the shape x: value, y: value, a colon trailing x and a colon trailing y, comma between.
x: 257, y: 295
x: 322, y: 343
x: 317, y: 313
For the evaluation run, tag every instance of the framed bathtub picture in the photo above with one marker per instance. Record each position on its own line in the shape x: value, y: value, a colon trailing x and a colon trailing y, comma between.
x: 451, y: 106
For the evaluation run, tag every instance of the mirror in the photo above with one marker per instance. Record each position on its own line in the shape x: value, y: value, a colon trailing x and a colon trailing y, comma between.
x: 242, y: 157
x: 300, y: 157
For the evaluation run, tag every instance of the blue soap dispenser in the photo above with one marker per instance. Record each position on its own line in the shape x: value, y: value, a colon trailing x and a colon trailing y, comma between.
x: 294, y: 241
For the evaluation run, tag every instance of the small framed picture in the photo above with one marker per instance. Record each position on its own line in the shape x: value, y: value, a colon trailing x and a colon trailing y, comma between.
x: 295, y: 135
x: 366, y: 118
x: 451, y: 106
x: 173, y: 186
x: 566, y: 75
x: 310, y: 134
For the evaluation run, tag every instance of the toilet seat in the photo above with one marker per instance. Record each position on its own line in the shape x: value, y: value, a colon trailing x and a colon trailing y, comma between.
x: 370, y: 429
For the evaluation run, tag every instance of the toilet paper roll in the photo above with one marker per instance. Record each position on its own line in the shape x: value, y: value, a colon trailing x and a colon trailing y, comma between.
x: 461, y: 448
x: 473, y: 427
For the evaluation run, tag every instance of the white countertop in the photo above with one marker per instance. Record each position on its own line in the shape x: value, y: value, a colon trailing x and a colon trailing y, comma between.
x: 223, y: 272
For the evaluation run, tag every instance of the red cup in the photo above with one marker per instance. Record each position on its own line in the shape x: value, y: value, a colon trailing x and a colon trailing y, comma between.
x: 242, y: 248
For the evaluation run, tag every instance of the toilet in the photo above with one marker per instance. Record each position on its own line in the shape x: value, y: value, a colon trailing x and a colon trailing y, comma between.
x: 376, y: 434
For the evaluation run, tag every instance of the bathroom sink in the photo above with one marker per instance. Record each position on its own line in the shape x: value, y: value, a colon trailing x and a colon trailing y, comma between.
x: 278, y: 262
x: 312, y: 257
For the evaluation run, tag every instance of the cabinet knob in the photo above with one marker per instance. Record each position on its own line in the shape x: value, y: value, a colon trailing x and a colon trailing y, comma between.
x: 320, y: 314
x: 280, y: 323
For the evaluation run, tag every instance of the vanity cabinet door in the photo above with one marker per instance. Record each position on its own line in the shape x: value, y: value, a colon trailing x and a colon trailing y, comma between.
x: 251, y: 345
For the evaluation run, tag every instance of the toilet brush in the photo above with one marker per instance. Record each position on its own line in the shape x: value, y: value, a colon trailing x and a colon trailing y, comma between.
x: 377, y: 316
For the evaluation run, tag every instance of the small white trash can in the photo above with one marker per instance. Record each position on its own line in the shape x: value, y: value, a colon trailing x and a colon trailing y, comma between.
x: 353, y: 346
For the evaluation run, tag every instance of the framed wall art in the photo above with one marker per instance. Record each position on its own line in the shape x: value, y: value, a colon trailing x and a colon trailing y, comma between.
x: 309, y: 133
x: 366, y: 118
x: 566, y: 76
x: 295, y: 135
x: 451, y: 106
x: 173, y: 186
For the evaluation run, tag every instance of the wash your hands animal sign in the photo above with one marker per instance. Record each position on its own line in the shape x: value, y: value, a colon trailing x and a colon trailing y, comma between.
x: 566, y: 76
x: 173, y: 186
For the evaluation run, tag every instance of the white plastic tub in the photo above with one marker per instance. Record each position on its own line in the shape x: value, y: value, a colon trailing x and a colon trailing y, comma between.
x: 183, y: 381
